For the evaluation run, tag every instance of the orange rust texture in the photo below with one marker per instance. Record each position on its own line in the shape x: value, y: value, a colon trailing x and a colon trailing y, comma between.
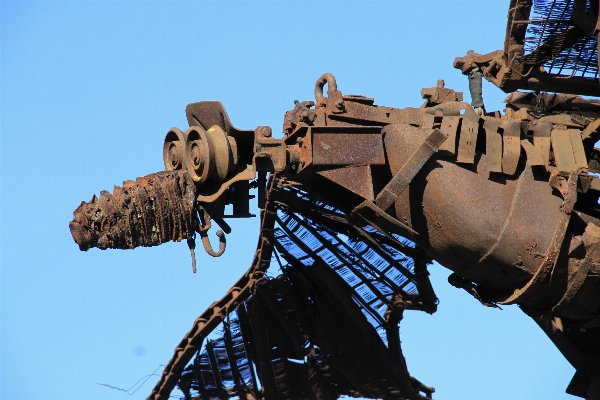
x: 152, y: 210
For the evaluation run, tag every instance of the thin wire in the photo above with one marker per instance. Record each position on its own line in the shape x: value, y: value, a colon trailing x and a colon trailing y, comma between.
x: 144, y: 379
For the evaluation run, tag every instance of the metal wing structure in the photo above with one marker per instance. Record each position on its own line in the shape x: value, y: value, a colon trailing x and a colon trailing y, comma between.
x: 550, y: 45
x: 356, y: 199
x: 326, y: 326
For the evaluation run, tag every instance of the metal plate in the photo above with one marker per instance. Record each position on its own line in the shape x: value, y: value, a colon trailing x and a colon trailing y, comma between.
x: 449, y: 128
x: 563, y: 151
x: 541, y: 140
x: 467, y: 141
x: 512, y: 146
x: 331, y: 146
x: 493, y: 145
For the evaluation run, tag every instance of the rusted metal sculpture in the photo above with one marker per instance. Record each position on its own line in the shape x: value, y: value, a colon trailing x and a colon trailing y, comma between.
x: 361, y: 197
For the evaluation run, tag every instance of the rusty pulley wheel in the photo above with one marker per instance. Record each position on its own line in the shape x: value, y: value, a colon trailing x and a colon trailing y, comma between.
x: 174, y: 150
x: 223, y: 149
x: 210, y: 154
x: 198, y: 154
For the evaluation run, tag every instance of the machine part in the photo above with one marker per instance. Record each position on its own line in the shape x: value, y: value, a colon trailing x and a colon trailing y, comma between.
x: 174, y: 150
x: 511, y: 150
x: 413, y: 164
x: 210, y: 154
x: 563, y: 151
x: 550, y: 47
x: 207, y: 114
x: 215, y: 314
x: 211, y: 193
x: 475, y: 88
x: 326, y: 146
x: 586, y: 381
x: 198, y: 154
x: 533, y: 156
x: 154, y: 209
x: 358, y: 179
x: 290, y: 323
x: 473, y: 290
x: 269, y: 153
x: 440, y: 196
x: 224, y: 150
x: 468, y: 139
x: 493, y: 144
x: 512, y: 232
x: 333, y: 103
x: 208, y: 247
x: 542, y: 132
x: 449, y: 128
x: 191, y: 241
x: 203, y: 231
x: 440, y: 94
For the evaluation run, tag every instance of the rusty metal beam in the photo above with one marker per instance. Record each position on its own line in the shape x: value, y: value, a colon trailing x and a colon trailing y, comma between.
x: 515, y: 31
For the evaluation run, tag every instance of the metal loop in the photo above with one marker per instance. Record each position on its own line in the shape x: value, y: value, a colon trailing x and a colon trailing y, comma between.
x: 328, y: 79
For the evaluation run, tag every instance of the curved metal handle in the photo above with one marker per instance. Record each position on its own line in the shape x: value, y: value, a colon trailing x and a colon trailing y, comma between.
x: 208, y: 247
x: 328, y: 79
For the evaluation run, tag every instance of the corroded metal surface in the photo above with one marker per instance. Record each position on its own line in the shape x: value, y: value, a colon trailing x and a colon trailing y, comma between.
x: 210, y: 319
x: 503, y: 205
x: 361, y: 197
x: 149, y: 211
x: 550, y: 46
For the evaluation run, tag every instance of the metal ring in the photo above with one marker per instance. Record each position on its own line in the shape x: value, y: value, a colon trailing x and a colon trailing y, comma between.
x: 328, y: 79
x: 174, y: 150
x: 198, y: 154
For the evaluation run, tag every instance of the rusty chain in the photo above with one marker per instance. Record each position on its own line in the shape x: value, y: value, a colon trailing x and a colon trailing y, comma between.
x: 219, y: 310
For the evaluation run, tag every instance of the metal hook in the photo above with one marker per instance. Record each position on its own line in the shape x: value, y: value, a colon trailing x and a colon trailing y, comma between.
x: 208, y: 247
x: 203, y: 231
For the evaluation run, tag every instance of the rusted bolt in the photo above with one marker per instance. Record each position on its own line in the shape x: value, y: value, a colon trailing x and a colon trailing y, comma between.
x: 304, y: 116
x: 264, y: 131
x: 339, y: 104
x: 174, y: 155
x: 196, y: 155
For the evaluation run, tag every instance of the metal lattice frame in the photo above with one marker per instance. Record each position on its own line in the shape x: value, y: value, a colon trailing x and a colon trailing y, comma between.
x: 251, y: 342
x: 569, y: 50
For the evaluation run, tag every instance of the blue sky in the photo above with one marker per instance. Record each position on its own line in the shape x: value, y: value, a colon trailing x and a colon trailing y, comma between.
x: 88, y: 91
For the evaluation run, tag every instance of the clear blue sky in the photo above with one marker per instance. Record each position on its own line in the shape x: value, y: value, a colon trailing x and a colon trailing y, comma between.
x: 88, y: 91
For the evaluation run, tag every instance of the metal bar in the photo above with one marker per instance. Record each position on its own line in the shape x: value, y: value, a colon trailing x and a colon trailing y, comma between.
x: 237, y: 380
x: 392, y: 263
x: 345, y: 262
x: 515, y: 33
x: 263, y: 364
x: 214, y: 365
x: 511, y: 146
x: 245, y: 329
x: 467, y: 140
x: 307, y: 249
x: 199, y: 377
x: 407, y: 172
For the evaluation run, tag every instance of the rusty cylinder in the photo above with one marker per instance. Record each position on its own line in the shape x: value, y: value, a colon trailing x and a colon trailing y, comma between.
x: 489, y: 228
x: 152, y: 210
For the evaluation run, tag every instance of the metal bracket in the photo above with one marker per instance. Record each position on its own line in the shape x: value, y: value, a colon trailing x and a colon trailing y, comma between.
x: 404, y: 176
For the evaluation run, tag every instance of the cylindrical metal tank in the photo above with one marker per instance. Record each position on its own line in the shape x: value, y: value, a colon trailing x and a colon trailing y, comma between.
x: 492, y: 229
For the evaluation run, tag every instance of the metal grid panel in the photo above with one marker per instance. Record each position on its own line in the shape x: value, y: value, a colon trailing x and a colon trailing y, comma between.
x: 550, y: 22
x: 222, y: 368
